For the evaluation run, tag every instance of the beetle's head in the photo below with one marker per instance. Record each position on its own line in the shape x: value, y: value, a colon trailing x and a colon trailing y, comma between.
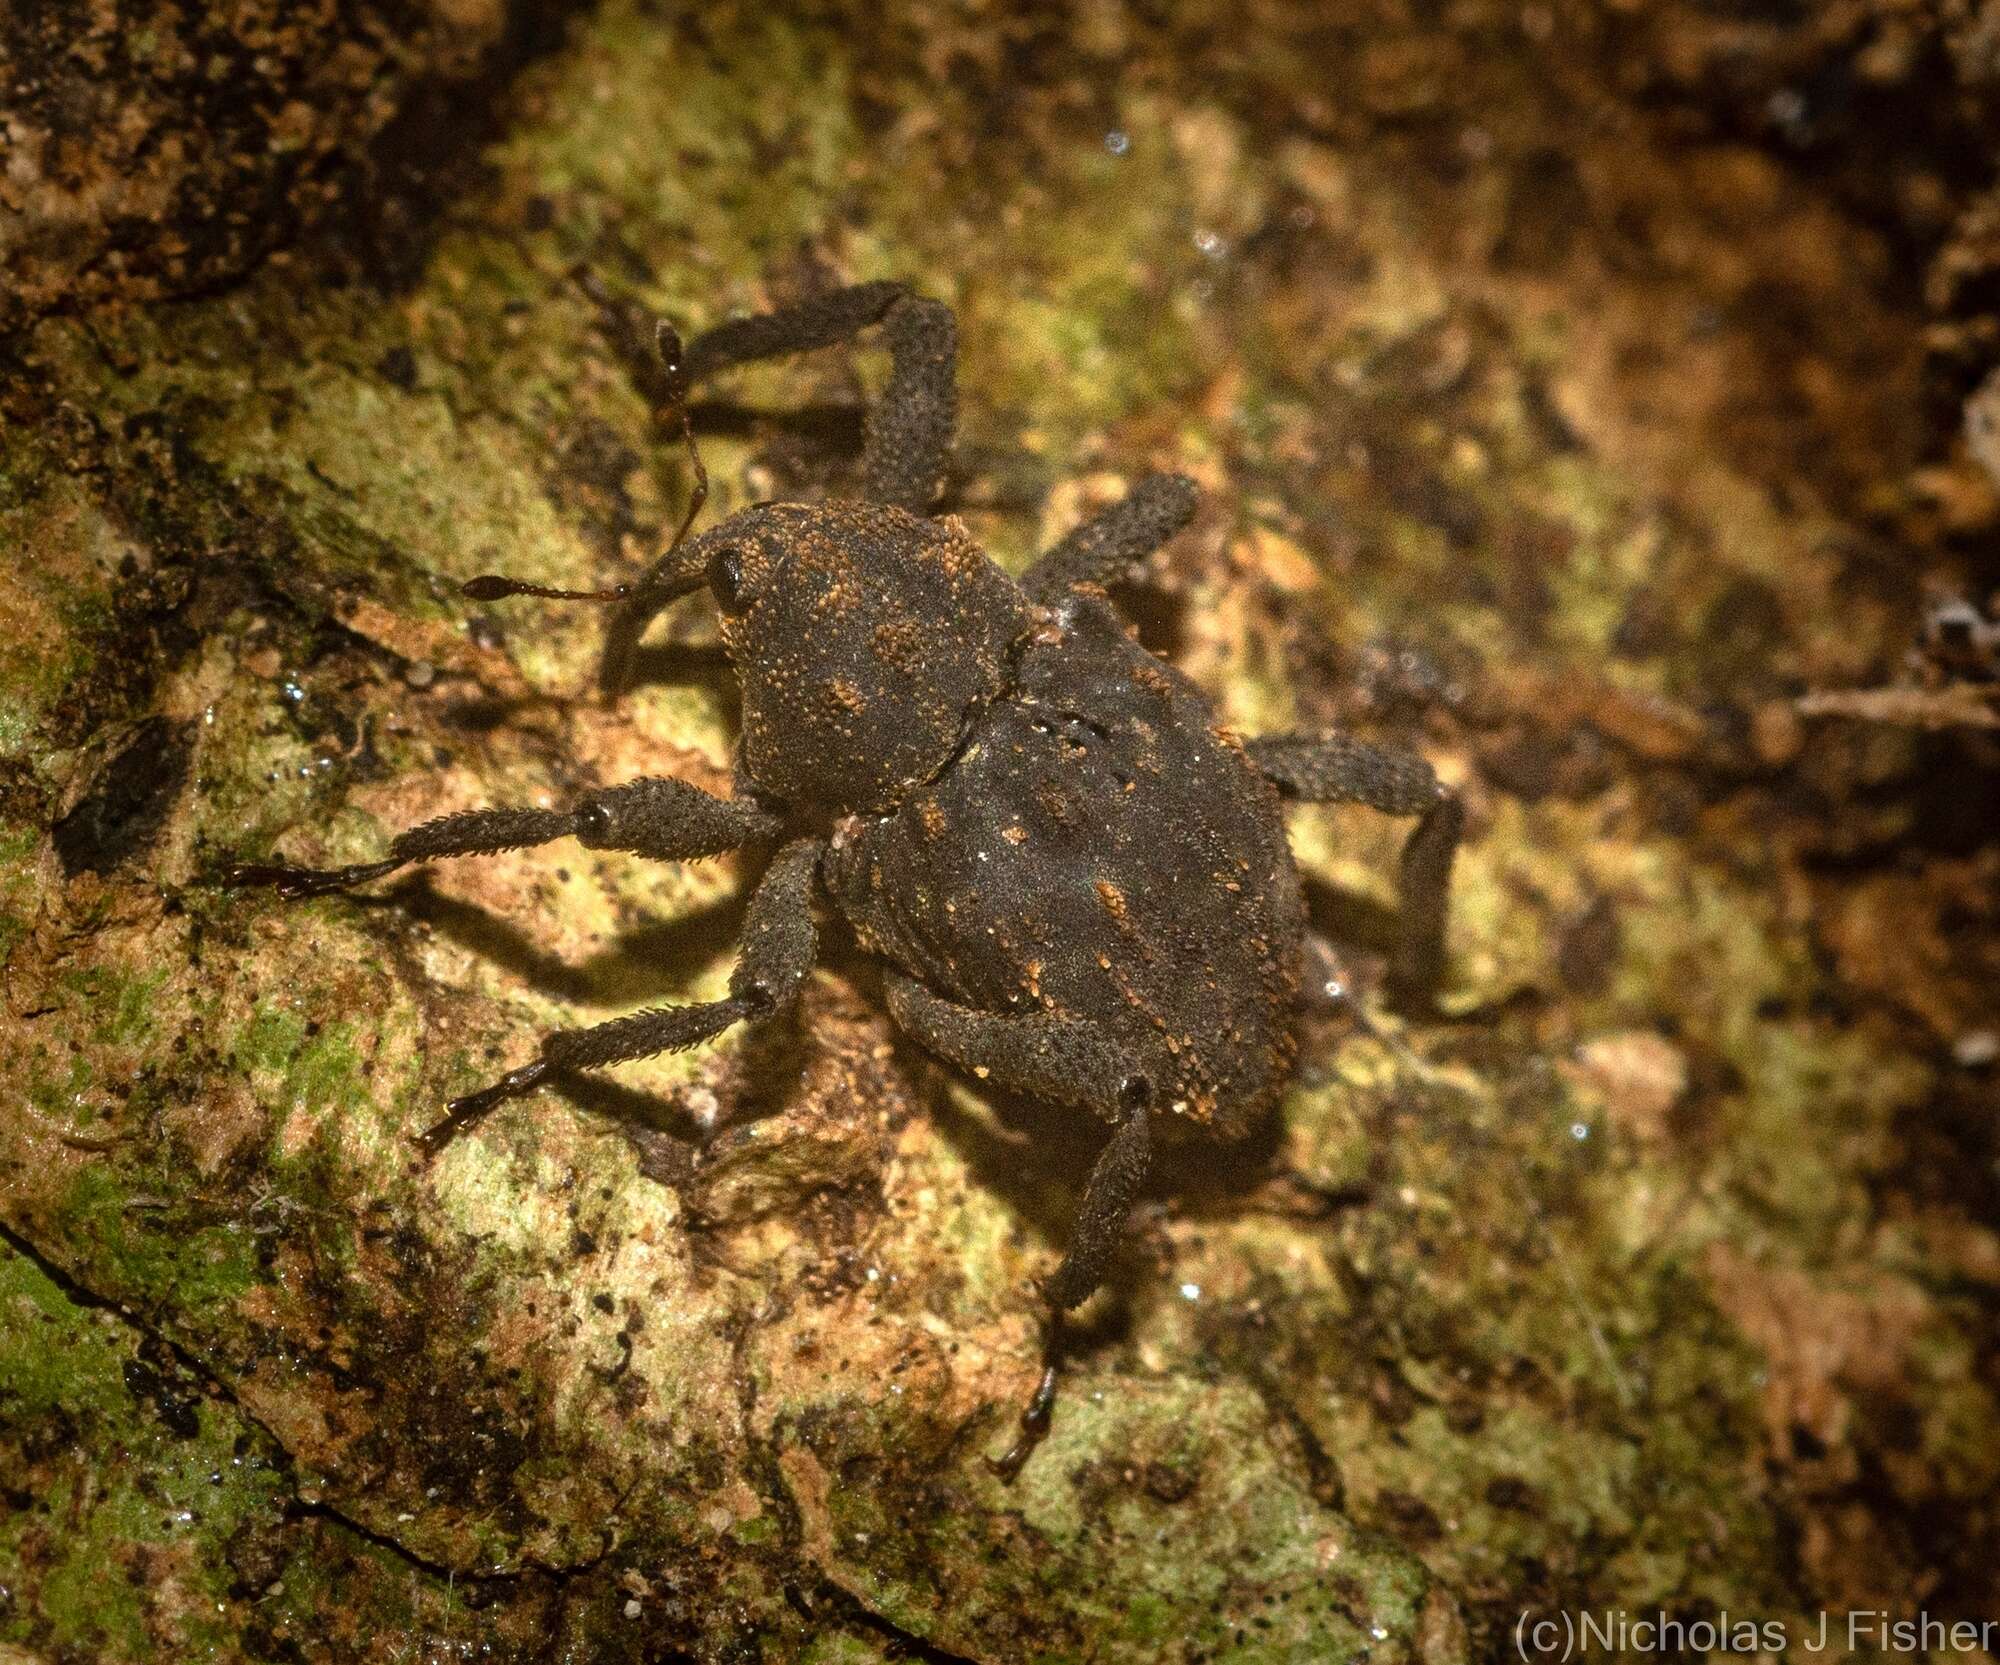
x: 864, y: 640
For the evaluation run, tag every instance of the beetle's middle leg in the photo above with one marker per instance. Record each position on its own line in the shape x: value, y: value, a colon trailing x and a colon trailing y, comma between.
x: 1113, y: 539
x: 779, y: 945
x: 1067, y: 1061
x: 1334, y: 769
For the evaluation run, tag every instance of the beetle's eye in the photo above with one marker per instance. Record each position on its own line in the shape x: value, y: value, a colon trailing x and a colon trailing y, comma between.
x: 1135, y: 1092
x: 593, y: 823
x: 725, y: 578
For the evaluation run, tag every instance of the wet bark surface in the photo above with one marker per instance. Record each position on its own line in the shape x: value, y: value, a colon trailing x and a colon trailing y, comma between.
x: 1579, y: 397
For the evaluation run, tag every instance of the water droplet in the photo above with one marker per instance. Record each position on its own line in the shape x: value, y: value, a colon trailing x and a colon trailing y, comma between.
x: 1118, y: 141
x: 1789, y: 112
x: 1190, y: 1292
x: 1976, y: 1049
x: 1212, y: 243
x: 1579, y: 1130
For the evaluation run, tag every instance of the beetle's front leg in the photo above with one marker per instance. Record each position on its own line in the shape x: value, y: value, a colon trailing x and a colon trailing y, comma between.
x: 907, y: 452
x: 659, y: 817
x: 778, y: 948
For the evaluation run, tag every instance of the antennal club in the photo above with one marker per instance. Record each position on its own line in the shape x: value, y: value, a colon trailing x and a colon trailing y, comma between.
x: 673, y: 387
x: 673, y: 364
x: 490, y: 586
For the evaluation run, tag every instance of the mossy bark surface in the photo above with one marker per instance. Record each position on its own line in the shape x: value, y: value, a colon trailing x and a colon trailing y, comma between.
x: 1542, y: 426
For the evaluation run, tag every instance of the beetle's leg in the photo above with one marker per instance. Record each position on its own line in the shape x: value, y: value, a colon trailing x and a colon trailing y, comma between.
x: 1060, y: 1060
x: 1114, y: 1185
x: 1104, y: 546
x: 675, y: 574
x: 1067, y: 1061
x: 665, y: 819
x: 818, y: 321
x: 907, y: 452
x: 1335, y: 769
x: 778, y: 947
x: 910, y: 427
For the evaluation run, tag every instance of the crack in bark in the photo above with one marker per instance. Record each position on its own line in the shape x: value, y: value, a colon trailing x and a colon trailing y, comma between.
x: 858, y: 1615
x: 809, y: 1588
x: 216, y: 1386
x: 1323, y: 1477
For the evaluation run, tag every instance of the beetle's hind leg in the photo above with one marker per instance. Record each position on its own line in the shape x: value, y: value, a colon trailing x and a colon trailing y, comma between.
x: 1115, y: 1180
x: 1334, y: 769
x: 778, y: 948
x: 1066, y: 1061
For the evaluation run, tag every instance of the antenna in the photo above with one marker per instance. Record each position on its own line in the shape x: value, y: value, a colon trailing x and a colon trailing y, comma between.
x: 673, y: 364
x: 673, y: 392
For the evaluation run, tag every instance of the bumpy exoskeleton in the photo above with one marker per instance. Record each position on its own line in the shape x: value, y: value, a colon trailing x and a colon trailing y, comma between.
x: 1078, y: 880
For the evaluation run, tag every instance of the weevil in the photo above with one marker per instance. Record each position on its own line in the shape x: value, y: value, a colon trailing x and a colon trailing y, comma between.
x: 1077, y: 880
